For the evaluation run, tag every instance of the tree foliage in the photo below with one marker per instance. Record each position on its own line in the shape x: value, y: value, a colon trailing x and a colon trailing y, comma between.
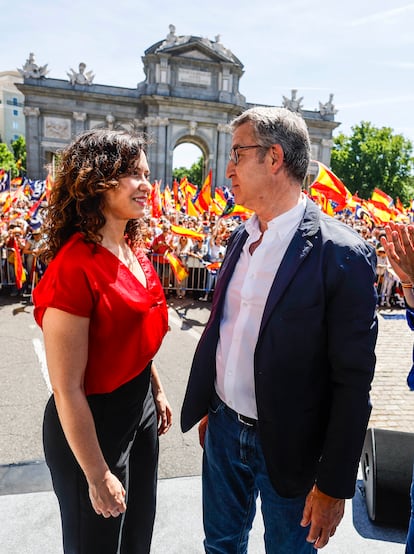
x: 194, y: 174
x: 13, y: 160
x: 374, y: 157
x: 19, y: 152
x: 7, y: 161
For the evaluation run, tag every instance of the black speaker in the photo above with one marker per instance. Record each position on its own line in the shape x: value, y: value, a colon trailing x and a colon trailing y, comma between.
x: 387, y: 467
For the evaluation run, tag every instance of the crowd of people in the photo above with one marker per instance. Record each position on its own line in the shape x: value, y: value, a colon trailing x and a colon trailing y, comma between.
x: 250, y: 388
x: 200, y: 252
x: 198, y: 242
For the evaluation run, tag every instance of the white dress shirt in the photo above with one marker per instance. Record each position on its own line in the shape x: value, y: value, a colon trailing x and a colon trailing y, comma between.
x: 244, y: 305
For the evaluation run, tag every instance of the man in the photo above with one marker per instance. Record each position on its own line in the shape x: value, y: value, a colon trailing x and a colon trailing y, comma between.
x: 285, y: 362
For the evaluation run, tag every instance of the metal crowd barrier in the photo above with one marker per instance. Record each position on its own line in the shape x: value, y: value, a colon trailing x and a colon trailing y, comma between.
x: 199, y: 278
x: 7, y: 277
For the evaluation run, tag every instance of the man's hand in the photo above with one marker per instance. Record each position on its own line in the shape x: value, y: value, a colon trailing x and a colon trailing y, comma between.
x: 324, y: 514
x: 202, y: 428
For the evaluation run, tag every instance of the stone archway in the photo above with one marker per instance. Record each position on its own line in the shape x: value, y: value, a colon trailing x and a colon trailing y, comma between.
x: 190, y: 93
x: 203, y: 148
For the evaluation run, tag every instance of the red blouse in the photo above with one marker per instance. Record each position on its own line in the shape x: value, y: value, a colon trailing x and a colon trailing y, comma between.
x: 127, y: 320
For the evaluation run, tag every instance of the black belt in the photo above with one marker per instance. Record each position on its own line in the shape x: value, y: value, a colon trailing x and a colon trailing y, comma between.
x: 249, y: 421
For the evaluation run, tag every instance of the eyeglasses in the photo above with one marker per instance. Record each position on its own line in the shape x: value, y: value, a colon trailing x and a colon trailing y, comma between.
x: 234, y: 155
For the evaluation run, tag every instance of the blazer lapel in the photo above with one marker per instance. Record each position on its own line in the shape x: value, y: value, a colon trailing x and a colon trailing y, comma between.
x: 229, y: 263
x: 298, y: 249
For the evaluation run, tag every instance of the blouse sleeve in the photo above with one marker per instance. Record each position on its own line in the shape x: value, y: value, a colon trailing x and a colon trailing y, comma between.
x: 65, y: 286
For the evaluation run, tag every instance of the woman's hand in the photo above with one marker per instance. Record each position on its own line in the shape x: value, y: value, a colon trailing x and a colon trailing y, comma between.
x: 107, y: 496
x: 164, y: 412
x: 399, y: 247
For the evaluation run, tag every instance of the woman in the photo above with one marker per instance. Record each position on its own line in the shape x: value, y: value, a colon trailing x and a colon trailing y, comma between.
x: 103, y: 314
x: 182, y: 247
x: 398, y: 243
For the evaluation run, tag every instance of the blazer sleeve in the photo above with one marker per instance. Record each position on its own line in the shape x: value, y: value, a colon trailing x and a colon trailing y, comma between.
x: 352, y: 333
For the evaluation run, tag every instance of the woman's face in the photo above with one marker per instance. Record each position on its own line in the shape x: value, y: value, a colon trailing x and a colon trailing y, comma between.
x: 129, y: 199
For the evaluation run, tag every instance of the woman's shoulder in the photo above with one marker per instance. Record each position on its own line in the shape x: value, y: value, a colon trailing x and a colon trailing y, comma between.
x: 76, y: 245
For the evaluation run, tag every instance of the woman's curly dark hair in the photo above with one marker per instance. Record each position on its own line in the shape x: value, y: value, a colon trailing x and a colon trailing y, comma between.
x: 89, y: 166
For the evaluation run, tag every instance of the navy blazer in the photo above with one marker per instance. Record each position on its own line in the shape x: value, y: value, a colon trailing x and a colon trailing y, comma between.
x: 314, y: 359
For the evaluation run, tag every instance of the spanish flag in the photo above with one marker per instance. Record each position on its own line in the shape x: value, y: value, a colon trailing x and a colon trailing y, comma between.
x: 49, y: 183
x: 156, y: 204
x: 330, y: 186
x: 185, y: 232
x: 203, y: 199
x: 380, y: 197
x: 177, y: 266
x: 167, y: 199
x: 190, y: 209
x: 19, y: 271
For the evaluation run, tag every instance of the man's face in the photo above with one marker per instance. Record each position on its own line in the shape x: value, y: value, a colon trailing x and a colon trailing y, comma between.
x: 250, y: 177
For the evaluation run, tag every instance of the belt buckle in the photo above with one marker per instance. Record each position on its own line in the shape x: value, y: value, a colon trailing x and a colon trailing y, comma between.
x: 245, y: 420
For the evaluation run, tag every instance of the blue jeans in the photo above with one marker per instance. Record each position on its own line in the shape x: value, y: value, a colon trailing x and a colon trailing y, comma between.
x: 234, y: 473
x: 409, y: 549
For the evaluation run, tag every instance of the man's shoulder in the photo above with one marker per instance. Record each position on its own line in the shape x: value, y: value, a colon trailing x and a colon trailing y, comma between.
x: 339, y: 232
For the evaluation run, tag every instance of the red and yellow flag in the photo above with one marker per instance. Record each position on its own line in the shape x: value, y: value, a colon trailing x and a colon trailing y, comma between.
x: 379, y: 211
x: 214, y: 266
x: 49, y: 185
x: 19, y: 271
x: 156, y: 205
x: 185, y: 232
x: 177, y: 266
x: 190, y: 209
x: 320, y: 199
x: 380, y: 197
x: 330, y: 186
x: 176, y: 195
x: 167, y: 200
x: 204, y: 197
x: 399, y: 206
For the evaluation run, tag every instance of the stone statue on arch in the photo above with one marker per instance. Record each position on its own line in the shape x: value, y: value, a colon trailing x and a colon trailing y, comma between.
x: 81, y: 77
x: 31, y: 70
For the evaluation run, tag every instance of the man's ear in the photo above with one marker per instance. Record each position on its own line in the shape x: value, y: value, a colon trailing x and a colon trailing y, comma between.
x: 277, y: 156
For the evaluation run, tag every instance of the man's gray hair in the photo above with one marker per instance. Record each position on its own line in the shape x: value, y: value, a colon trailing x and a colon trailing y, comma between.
x: 280, y: 126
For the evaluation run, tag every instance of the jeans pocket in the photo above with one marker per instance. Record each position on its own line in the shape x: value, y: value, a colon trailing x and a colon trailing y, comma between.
x: 216, y: 404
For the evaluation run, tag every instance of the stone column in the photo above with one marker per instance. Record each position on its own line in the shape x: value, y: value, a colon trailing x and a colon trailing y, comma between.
x: 325, y: 151
x: 79, y: 122
x: 157, y: 128
x: 223, y: 148
x: 33, y: 141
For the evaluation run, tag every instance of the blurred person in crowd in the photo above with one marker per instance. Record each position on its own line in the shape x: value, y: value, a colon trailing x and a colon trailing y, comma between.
x: 398, y: 243
x: 182, y: 246
x: 34, y: 266
x: 285, y: 362
x: 382, y: 263
x: 162, y: 244
x: 196, y: 266
x: 15, y: 239
x: 103, y: 315
x: 215, y: 256
x: 387, y: 279
x: 154, y: 227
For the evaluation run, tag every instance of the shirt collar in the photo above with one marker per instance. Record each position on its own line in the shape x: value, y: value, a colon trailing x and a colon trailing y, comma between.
x: 280, y: 225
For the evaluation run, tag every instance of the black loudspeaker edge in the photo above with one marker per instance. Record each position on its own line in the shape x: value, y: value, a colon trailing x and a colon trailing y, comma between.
x: 387, y: 467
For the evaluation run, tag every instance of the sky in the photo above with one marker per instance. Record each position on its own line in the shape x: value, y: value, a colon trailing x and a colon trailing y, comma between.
x: 361, y: 51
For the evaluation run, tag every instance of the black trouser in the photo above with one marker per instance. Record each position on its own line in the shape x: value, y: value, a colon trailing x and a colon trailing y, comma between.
x: 126, y: 426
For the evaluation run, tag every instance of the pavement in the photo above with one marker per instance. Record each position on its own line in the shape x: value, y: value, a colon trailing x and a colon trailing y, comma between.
x: 29, y: 513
